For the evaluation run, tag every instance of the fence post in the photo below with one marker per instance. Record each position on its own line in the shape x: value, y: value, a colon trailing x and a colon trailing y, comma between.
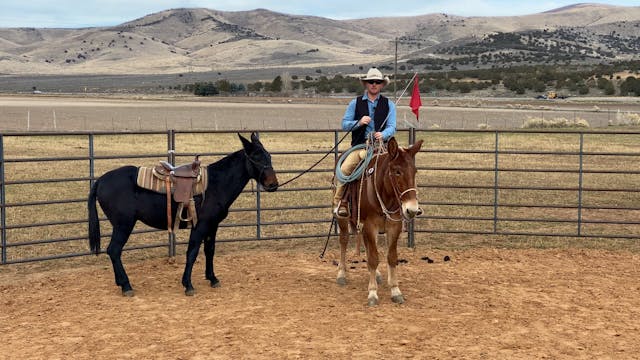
x: 336, y: 156
x: 258, y: 212
x: 3, y: 215
x: 495, y: 185
x: 92, y: 163
x: 171, y: 158
x: 580, y: 184
x: 411, y: 239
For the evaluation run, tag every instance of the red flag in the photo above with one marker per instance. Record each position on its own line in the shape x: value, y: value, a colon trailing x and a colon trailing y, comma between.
x: 415, y: 101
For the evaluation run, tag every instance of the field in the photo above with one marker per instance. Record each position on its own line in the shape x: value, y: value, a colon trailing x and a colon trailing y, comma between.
x: 498, y: 298
x: 63, y: 113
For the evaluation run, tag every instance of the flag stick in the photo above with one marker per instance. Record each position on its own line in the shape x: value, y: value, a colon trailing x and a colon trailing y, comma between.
x: 412, y: 125
x: 406, y: 87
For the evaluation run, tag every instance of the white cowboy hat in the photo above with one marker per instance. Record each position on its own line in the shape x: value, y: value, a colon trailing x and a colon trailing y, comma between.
x: 375, y: 74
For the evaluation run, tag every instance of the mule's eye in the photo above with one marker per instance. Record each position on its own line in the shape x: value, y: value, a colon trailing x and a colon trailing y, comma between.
x: 397, y: 173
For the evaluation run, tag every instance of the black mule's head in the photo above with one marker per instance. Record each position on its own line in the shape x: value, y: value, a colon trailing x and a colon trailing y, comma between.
x: 259, y: 163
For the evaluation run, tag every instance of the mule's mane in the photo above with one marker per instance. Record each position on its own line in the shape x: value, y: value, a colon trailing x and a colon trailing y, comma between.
x: 223, y: 163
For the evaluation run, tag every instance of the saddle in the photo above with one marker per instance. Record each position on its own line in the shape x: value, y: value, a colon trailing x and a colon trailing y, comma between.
x: 183, y: 177
x: 181, y: 182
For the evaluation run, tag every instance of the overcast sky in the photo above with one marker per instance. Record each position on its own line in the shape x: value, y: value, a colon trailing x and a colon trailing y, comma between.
x: 89, y: 13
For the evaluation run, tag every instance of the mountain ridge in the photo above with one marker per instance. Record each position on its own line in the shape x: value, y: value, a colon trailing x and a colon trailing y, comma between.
x: 199, y: 40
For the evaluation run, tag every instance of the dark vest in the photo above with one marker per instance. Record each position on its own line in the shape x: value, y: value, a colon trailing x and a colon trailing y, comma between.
x: 380, y: 114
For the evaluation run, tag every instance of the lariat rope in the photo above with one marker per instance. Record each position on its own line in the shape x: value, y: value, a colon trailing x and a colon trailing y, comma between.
x: 344, y: 136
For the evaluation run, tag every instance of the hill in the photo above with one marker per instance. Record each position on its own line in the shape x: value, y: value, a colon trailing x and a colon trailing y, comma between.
x: 205, y: 40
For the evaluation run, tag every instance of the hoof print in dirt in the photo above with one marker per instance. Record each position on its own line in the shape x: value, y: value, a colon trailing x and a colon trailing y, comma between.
x: 403, y: 261
x: 335, y: 263
x: 447, y: 258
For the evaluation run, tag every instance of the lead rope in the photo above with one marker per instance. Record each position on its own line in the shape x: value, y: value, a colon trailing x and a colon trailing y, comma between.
x: 370, y: 153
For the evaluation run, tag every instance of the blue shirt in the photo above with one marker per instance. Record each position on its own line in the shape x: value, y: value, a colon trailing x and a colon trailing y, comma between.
x: 348, y: 119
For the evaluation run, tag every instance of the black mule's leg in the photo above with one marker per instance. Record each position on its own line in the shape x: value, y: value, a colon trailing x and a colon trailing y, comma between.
x: 209, y: 251
x: 119, y: 238
x: 195, y: 238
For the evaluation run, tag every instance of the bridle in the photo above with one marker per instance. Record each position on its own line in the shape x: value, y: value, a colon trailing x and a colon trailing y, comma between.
x: 259, y: 165
x: 398, y: 194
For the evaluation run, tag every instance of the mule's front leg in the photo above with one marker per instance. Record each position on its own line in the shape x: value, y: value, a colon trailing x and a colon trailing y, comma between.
x: 344, y: 240
x: 209, y: 252
x: 192, y: 253
x: 369, y: 237
x: 392, y: 262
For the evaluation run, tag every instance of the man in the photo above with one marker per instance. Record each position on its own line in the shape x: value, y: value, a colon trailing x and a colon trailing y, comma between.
x: 369, y: 115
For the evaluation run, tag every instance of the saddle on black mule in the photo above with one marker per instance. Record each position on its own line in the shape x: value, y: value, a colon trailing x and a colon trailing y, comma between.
x: 183, y: 182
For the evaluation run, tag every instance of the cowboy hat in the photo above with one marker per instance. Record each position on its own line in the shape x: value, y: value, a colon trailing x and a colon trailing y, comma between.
x: 374, y: 74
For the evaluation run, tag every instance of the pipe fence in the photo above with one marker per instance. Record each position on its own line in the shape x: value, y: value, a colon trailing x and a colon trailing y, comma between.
x: 582, y: 184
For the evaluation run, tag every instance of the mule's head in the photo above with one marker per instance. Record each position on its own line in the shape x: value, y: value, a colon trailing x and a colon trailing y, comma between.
x: 402, y: 171
x: 259, y: 163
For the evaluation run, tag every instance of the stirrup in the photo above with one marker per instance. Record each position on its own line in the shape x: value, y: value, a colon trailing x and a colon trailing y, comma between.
x: 341, y: 211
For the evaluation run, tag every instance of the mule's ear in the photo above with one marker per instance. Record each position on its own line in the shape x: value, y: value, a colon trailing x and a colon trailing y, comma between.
x: 413, y: 150
x: 245, y: 143
x: 254, y: 137
x: 392, y: 148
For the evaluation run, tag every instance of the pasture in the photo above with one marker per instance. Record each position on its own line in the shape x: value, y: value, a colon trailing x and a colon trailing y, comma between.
x: 498, y: 297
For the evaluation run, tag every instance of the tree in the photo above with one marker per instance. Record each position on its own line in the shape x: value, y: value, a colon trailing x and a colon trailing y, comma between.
x: 205, y: 89
x: 256, y: 86
x: 276, y: 84
x: 630, y: 85
x: 223, y: 86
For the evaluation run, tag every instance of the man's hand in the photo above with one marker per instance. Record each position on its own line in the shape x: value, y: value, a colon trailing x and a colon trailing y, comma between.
x: 365, y: 120
x: 378, y: 135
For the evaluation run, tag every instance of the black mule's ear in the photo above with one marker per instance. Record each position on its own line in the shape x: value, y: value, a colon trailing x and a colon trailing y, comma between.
x: 254, y: 137
x: 392, y: 148
x: 245, y: 143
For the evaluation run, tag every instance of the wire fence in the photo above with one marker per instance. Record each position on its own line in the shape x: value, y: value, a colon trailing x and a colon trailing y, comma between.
x: 581, y: 184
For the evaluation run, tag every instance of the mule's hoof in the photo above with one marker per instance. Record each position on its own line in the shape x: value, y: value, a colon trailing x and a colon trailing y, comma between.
x: 341, y: 281
x: 128, y: 293
x: 215, y: 284
x: 373, y: 301
x: 190, y: 292
x: 398, y: 299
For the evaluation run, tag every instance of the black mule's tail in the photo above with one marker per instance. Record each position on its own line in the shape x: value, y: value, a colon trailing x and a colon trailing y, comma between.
x: 94, y: 222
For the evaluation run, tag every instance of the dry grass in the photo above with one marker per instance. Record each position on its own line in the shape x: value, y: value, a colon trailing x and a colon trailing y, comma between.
x: 440, y: 176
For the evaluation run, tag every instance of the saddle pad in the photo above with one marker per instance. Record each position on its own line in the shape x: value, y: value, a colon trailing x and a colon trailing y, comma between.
x: 147, y: 180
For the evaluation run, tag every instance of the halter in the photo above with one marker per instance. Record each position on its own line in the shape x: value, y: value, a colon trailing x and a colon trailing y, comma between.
x: 261, y: 166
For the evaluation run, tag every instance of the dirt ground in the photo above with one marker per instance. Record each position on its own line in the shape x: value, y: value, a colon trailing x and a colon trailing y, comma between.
x: 482, y: 304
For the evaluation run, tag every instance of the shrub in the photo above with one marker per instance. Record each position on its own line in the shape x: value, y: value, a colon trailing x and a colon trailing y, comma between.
x: 540, y: 123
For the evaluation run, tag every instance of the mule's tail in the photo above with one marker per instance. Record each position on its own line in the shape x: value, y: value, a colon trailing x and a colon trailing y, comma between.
x: 94, y: 222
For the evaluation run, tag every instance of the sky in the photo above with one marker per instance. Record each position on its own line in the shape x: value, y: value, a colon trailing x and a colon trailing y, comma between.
x: 90, y: 13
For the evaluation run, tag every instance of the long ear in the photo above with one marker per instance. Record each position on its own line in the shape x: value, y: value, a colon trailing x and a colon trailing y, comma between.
x: 254, y: 138
x: 413, y: 150
x: 392, y: 148
x: 245, y: 143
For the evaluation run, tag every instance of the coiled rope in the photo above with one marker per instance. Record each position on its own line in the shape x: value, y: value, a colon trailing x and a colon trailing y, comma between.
x: 362, y: 165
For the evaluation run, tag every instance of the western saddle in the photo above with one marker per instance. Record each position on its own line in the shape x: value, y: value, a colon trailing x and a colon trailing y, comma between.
x: 184, y: 179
